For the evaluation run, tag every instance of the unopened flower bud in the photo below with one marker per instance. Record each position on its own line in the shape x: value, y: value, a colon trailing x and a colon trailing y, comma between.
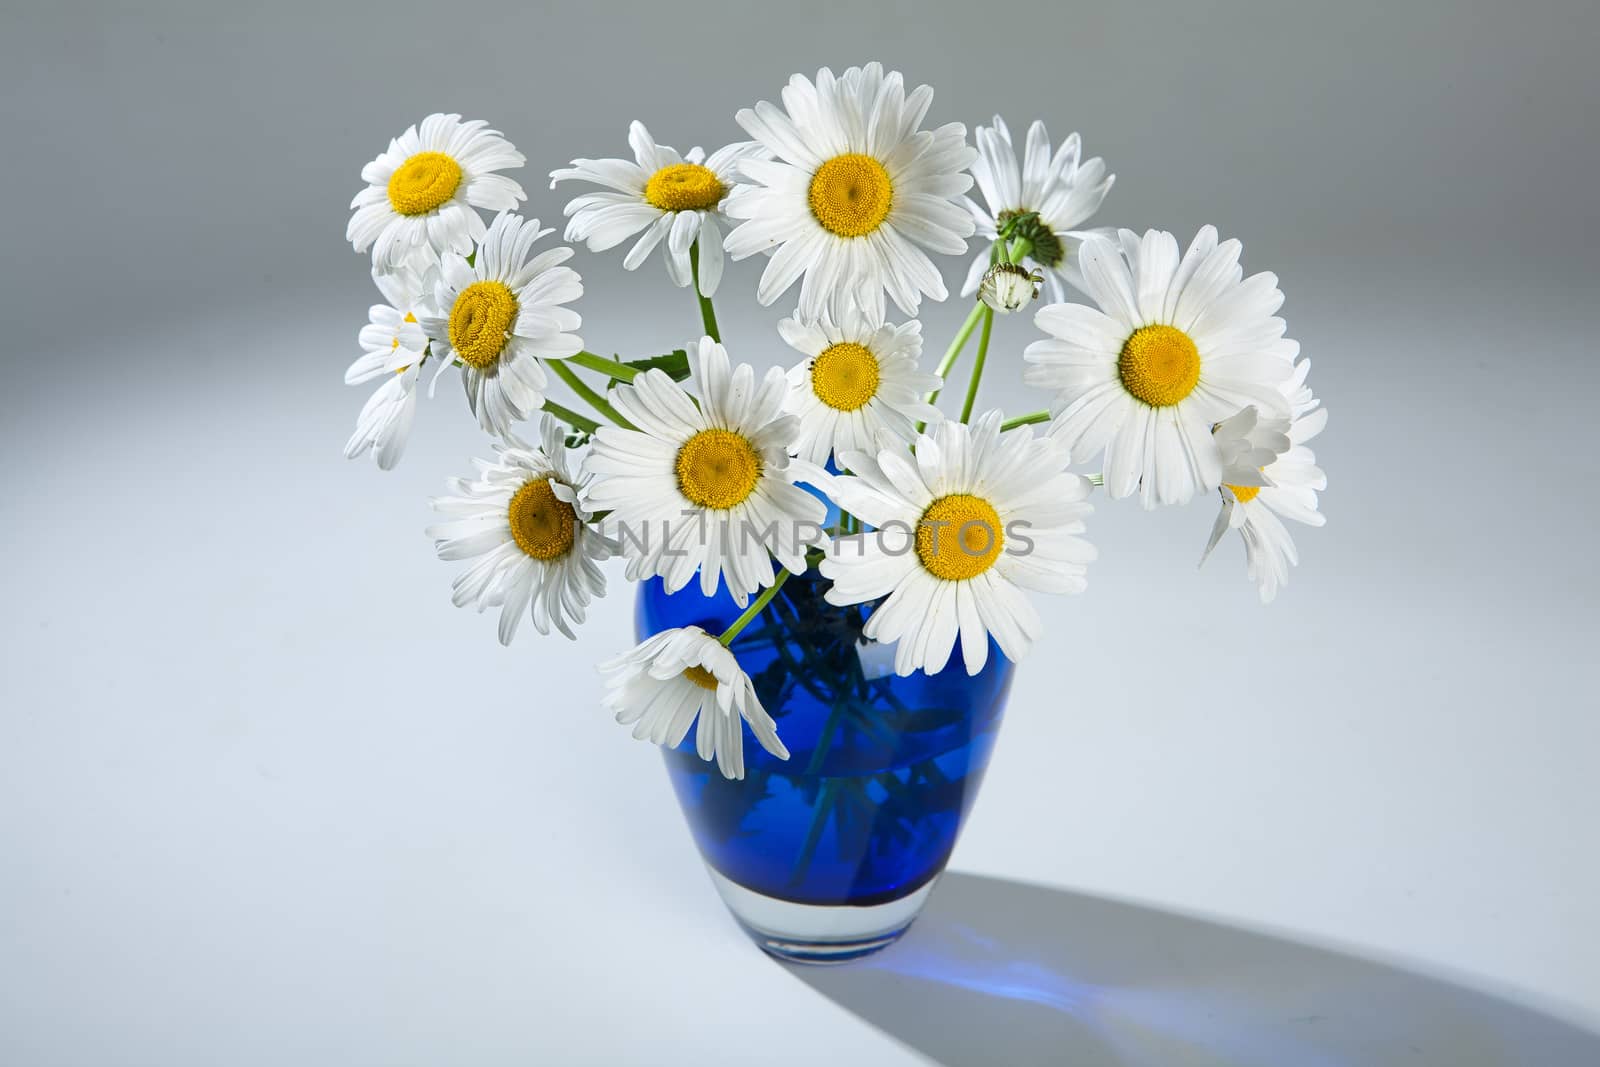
x: 1008, y: 287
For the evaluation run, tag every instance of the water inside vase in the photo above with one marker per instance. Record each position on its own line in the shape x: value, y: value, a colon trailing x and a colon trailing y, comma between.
x: 882, y: 769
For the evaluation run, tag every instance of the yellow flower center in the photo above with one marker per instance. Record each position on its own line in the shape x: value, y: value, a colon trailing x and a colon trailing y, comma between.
x: 959, y: 537
x: 850, y: 195
x: 423, y: 182
x: 542, y: 524
x: 480, y: 321
x: 717, y: 469
x: 1245, y: 493
x: 1159, y: 365
x: 701, y: 677
x: 845, y: 376
x: 684, y: 187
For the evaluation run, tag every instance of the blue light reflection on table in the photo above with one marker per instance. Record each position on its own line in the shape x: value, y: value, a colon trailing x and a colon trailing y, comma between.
x: 1003, y: 972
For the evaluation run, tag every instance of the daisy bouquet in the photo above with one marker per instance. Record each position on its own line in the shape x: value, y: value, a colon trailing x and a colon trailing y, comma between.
x: 1164, y: 373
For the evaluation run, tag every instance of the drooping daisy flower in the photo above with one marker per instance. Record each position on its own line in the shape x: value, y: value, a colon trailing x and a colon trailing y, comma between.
x: 385, y: 419
x: 672, y: 198
x: 1271, y: 475
x: 859, y: 388
x: 392, y: 338
x: 393, y: 346
x: 500, y: 315
x: 420, y: 194
x: 1173, y: 347
x: 962, y: 528
x: 664, y: 684
x: 856, y: 193
x: 524, y: 527
x: 707, y: 488
x: 1246, y: 444
x: 1058, y: 189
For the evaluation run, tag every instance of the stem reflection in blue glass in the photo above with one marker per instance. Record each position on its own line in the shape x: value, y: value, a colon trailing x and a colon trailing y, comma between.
x: 882, y: 771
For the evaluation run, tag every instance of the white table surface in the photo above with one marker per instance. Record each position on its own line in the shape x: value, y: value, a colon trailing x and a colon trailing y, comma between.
x: 266, y: 797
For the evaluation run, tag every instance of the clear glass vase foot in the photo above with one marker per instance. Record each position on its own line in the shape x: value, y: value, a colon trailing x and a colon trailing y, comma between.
x: 818, y: 934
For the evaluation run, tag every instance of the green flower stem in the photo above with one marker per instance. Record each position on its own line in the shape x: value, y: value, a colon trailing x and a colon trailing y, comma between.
x: 954, y: 352
x: 592, y: 398
x: 1025, y: 420
x: 960, y: 342
x: 825, y: 738
x: 805, y: 670
x: 754, y: 609
x: 819, y: 821
x: 1012, y: 254
x: 826, y: 796
x: 977, y: 364
x: 571, y: 418
x: 614, y: 368
x: 708, y: 314
x: 1097, y: 479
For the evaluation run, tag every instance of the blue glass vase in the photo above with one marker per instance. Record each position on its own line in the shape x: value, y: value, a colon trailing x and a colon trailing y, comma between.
x: 830, y: 854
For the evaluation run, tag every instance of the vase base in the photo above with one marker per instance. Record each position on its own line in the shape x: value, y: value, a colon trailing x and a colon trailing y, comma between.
x: 818, y: 934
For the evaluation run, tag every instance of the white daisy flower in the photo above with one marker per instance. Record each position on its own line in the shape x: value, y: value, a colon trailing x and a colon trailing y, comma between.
x: 420, y: 194
x: 961, y: 528
x: 1270, y: 475
x: 524, y: 526
x: 1301, y: 399
x: 1173, y: 347
x: 385, y: 419
x: 859, y: 387
x: 1060, y: 190
x: 856, y: 193
x: 500, y: 315
x: 707, y: 488
x: 1247, y: 443
x: 672, y: 198
x: 393, y: 345
x: 664, y: 684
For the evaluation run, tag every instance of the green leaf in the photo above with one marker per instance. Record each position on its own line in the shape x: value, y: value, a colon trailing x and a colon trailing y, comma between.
x: 675, y: 363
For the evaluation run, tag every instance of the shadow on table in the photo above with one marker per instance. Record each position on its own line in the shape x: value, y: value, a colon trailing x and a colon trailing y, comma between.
x: 999, y: 972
